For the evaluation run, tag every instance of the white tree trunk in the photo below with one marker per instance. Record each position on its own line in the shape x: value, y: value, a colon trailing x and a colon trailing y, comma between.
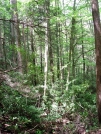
x: 46, y: 58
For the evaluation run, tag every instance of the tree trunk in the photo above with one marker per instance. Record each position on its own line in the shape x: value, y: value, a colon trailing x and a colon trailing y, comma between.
x: 34, y: 81
x: 51, y: 59
x: 58, y: 55
x: 46, y: 45
x: 25, y: 48
x: 83, y: 54
x: 72, y: 41
x: 1, y: 48
x: 41, y: 59
x: 97, y: 30
x: 4, y: 45
x: 17, y: 32
x: 46, y: 60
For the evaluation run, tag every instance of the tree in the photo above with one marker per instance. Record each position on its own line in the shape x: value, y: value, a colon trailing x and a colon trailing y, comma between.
x: 97, y: 30
x: 17, y: 32
x: 47, y: 3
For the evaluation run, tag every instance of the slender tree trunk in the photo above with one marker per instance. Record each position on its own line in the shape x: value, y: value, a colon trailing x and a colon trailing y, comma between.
x: 47, y: 3
x: 97, y: 30
x: 46, y: 59
x: 34, y: 61
x: 51, y: 59
x: 25, y: 49
x: 41, y: 59
x: 57, y: 41
x: 83, y: 54
x: 58, y: 55
x: 67, y: 72
x: 12, y: 42
x: 27, y: 42
x: 17, y: 33
x: 68, y: 66
x: 60, y: 52
x: 83, y: 57
x: 4, y: 45
x: 1, y: 48
x: 72, y: 41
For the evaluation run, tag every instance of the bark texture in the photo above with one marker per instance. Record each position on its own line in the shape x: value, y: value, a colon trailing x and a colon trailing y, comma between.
x: 97, y: 30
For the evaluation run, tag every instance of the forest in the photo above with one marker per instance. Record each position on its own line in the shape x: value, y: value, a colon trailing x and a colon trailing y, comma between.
x: 50, y: 67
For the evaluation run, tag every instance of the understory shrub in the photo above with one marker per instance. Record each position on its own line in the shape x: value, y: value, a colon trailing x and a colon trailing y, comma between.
x: 18, y: 105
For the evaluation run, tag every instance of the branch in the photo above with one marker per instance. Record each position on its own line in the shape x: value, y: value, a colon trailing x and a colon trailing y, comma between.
x: 21, y: 22
x: 13, y: 69
x: 84, y: 53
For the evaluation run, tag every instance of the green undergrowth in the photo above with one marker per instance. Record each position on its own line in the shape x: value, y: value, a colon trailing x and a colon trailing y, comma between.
x: 78, y: 100
x: 20, y: 110
x: 25, y: 112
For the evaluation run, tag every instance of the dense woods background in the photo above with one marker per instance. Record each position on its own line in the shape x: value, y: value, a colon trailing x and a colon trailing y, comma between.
x: 48, y: 67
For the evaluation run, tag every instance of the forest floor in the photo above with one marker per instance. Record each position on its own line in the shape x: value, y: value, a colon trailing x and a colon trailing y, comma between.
x: 83, y: 120
x: 67, y: 124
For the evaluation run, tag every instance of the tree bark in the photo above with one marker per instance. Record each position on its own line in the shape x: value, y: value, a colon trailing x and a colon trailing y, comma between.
x: 17, y: 32
x: 47, y: 3
x: 4, y: 45
x: 97, y: 30
x: 34, y: 81
x: 72, y: 41
x: 51, y: 59
x: 83, y: 54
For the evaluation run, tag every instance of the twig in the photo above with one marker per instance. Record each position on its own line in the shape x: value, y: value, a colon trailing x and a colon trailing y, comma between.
x: 32, y: 128
x: 80, y: 106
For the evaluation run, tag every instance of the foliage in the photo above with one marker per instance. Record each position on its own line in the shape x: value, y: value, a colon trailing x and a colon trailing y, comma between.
x: 20, y: 108
x: 39, y: 132
x: 67, y: 30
